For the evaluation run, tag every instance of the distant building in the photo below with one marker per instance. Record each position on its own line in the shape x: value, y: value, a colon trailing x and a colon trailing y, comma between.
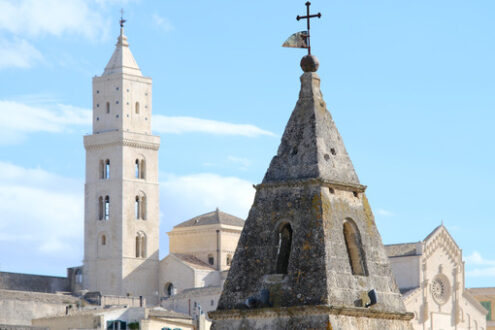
x: 486, y: 297
x: 430, y: 275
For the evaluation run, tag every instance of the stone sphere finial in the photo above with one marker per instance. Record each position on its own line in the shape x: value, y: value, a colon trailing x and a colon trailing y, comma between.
x: 309, y: 63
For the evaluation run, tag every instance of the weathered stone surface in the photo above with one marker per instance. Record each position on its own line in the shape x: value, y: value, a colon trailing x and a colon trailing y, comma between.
x: 310, y: 188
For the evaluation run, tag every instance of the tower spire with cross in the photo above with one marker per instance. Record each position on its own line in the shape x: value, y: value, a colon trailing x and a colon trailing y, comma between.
x: 308, y: 25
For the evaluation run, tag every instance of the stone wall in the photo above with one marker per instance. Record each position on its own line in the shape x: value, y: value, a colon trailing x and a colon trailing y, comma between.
x: 33, y: 283
x: 19, y: 307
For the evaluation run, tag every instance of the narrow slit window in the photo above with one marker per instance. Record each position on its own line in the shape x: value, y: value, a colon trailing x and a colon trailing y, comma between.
x: 137, y: 107
x: 107, y: 207
x: 108, y: 107
x: 284, y: 247
x: 103, y: 240
x: 136, y: 169
x: 355, y: 249
x: 211, y: 259
x: 229, y: 260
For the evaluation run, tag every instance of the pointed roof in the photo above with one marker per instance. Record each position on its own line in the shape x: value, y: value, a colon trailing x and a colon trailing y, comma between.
x: 122, y: 60
x: 311, y: 147
x: 211, y: 218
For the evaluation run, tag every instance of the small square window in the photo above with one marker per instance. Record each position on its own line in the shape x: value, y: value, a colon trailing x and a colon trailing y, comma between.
x: 116, y: 102
x: 97, y: 105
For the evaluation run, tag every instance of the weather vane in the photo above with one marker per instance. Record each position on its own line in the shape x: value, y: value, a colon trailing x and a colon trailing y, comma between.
x: 122, y: 20
x: 302, y: 39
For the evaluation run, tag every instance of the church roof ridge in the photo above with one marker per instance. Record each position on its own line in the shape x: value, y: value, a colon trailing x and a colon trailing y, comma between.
x: 213, y: 217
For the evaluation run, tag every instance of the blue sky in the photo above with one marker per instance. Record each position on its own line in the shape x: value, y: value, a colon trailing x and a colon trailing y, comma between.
x: 409, y: 84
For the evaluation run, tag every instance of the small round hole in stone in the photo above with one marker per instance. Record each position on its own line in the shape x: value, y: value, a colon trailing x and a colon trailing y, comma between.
x: 333, y: 152
x: 294, y: 151
x: 331, y: 190
x: 327, y: 157
x: 355, y: 193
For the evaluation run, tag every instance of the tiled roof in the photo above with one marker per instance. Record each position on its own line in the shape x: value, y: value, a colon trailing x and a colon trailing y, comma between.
x: 400, y: 250
x: 213, y: 217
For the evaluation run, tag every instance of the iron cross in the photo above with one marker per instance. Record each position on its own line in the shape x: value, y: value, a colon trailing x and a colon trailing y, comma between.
x: 122, y: 20
x: 308, y: 17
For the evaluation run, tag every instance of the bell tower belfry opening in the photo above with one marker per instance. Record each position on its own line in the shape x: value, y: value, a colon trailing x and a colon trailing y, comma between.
x: 113, y: 263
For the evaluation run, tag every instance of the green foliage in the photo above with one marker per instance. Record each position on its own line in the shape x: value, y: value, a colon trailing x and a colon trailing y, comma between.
x: 133, y: 325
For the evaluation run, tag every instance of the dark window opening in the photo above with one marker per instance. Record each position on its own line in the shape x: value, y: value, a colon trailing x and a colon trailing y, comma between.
x: 211, y: 260
x: 108, y: 107
x: 284, y: 247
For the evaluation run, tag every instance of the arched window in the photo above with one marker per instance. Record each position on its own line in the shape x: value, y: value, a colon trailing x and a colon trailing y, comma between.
x: 140, y: 245
x: 136, y: 169
x: 355, y: 248
x: 168, y: 289
x: 137, y: 209
x: 143, y: 207
x: 229, y: 259
x: 137, y: 107
x: 100, y: 208
x: 284, y: 247
x: 107, y: 207
x: 108, y: 107
x: 107, y: 169
x: 143, y: 169
x: 102, y: 169
x: 211, y: 259
x: 139, y: 169
x: 103, y: 240
x: 140, y: 207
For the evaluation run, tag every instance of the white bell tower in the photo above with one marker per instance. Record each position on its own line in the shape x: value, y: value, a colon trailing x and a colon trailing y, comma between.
x: 121, y: 225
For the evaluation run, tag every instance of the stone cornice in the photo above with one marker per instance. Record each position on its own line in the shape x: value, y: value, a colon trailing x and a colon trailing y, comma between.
x: 312, y: 182
x: 124, y: 143
x: 307, y: 310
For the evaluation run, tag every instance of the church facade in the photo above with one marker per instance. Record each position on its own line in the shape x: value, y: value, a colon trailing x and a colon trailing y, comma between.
x: 430, y: 275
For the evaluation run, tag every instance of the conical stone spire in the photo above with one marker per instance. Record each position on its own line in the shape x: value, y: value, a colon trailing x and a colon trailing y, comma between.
x: 122, y: 60
x: 310, y: 255
x: 311, y: 146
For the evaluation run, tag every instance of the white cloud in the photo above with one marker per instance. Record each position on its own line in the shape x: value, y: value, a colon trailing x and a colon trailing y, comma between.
x: 33, y: 18
x: 18, y: 53
x: 480, y: 267
x: 163, y: 23
x: 475, y: 258
x: 384, y: 213
x: 19, y: 119
x: 179, y: 125
x: 183, y: 197
x: 40, y: 210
